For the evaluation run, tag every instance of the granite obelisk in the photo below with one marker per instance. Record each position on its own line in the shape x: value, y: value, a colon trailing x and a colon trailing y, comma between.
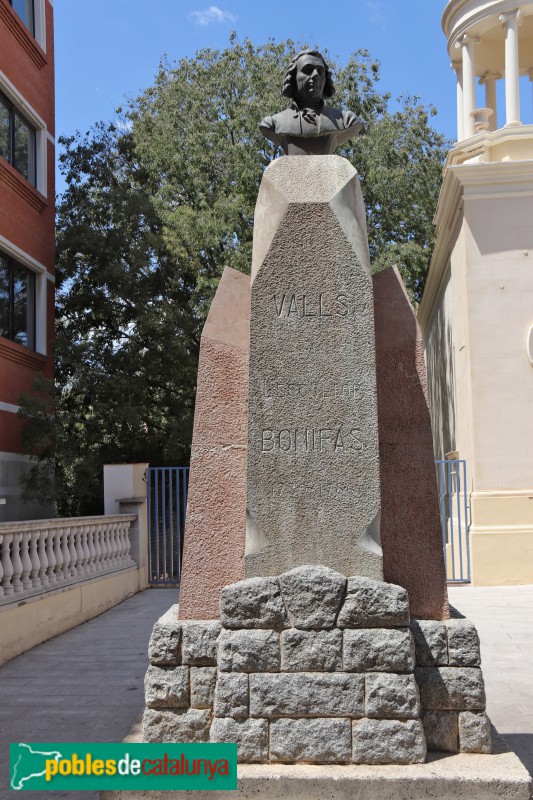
x: 313, y: 493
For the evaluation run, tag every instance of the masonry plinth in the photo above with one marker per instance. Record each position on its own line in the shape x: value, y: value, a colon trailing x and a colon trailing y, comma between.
x: 312, y: 667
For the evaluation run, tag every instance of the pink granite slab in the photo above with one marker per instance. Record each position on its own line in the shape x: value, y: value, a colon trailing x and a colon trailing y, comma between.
x: 410, y: 523
x: 216, y: 506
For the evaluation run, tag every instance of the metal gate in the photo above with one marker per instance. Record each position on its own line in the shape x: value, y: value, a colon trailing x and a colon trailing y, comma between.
x: 167, y: 504
x: 454, y: 516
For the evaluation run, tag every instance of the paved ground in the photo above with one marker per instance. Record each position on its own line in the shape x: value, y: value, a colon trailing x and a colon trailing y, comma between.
x: 504, y: 619
x: 87, y: 684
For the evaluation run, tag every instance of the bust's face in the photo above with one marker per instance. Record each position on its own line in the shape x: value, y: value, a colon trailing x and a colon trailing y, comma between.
x: 310, y: 79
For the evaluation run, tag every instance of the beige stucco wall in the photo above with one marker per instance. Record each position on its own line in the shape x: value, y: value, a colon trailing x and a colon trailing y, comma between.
x: 121, y: 481
x: 483, y: 313
x: 26, y: 623
x: 447, y: 338
x: 499, y: 258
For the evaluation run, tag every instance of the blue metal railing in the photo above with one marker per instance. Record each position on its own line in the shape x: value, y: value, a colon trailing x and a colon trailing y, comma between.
x: 451, y: 479
x: 167, y: 505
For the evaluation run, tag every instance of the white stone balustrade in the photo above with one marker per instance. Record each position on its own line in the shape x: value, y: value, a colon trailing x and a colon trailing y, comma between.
x: 39, y: 554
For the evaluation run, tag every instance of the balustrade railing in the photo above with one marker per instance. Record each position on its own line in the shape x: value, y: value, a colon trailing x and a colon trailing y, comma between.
x: 45, y: 553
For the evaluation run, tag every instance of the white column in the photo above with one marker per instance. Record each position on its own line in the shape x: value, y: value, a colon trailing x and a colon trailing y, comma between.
x: 469, y: 82
x: 44, y: 537
x: 51, y: 556
x: 458, y: 69
x: 26, y: 560
x: 16, y: 562
x: 92, y: 549
x: 35, y: 560
x: 489, y: 79
x: 7, y: 564
x: 510, y: 22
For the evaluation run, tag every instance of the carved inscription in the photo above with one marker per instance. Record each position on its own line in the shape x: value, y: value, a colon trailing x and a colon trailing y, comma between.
x: 312, y: 440
x: 291, y: 305
x: 337, y: 391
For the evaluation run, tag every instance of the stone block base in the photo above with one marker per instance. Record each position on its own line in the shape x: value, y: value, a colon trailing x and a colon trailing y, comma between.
x: 316, y: 668
x: 500, y: 776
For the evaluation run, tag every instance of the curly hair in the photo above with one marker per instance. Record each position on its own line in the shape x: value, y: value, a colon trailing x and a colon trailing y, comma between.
x: 289, y: 84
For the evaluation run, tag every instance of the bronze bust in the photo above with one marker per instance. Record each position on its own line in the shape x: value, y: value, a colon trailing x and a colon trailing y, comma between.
x: 309, y: 126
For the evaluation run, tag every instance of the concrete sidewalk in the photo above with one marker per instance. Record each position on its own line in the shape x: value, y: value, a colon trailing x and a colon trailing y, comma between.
x: 85, y: 685
x: 503, y: 616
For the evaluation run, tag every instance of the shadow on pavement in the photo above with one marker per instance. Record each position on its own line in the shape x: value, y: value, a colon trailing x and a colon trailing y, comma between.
x: 522, y: 745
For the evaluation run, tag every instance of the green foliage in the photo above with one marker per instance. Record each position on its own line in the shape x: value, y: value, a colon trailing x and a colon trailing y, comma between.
x: 400, y: 161
x: 38, y: 440
x: 156, y: 205
x: 196, y: 131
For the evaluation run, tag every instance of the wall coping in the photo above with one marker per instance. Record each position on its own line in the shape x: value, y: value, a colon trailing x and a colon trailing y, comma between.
x: 471, y: 181
x: 66, y: 522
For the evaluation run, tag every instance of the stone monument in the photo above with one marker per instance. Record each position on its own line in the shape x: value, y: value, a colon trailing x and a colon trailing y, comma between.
x: 314, y: 659
x: 313, y: 467
x: 309, y: 126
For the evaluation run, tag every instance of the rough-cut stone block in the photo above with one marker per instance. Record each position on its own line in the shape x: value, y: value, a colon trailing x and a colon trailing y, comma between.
x: 251, y: 736
x: 307, y: 694
x: 213, y: 553
x: 442, y: 731
x: 231, y: 695
x: 311, y: 651
x: 248, y: 651
x: 169, y: 725
x: 203, y: 681
x: 373, y: 604
x: 199, y: 643
x: 451, y: 688
x: 253, y: 603
x: 167, y: 687
x: 378, y: 650
x: 380, y: 741
x: 431, y: 645
x: 313, y: 468
x: 313, y: 596
x: 163, y: 648
x: 463, y: 644
x: 411, y: 534
x: 315, y: 741
x: 474, y: 733
x: 392, y: 696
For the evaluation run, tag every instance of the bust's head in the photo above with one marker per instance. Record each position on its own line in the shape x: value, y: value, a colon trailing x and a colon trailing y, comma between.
x: 308, y: 79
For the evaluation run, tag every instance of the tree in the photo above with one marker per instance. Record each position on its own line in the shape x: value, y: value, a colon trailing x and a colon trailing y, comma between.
x: 127, y: 336
x: 196, y: 132
x: 157, y: 204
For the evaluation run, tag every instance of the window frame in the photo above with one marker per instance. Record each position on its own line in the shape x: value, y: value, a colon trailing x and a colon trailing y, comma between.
x: 31, y: 331
x: 13, y: 111
x: 33, y: 25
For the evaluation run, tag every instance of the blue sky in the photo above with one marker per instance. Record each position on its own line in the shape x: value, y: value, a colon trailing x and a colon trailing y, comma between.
x: 107, y: 50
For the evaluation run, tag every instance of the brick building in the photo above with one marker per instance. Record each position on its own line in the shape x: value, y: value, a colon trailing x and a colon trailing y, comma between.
x: 26, y: 226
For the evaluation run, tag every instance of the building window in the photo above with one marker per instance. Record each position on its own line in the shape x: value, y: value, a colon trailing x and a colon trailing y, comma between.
x: 26, y: 11
x: 17, y: 303
x: 17, y: 140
